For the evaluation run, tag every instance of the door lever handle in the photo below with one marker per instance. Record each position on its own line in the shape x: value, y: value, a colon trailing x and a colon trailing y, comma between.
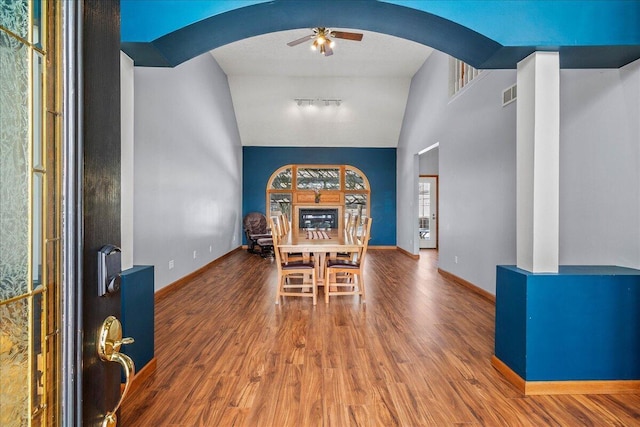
x: 125, y: 341
x: 109, y: 342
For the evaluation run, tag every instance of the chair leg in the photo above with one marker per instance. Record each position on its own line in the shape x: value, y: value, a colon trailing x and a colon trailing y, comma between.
x: 315, y: 287
x: 361, y: 286
x: 354, y: 281
x: 327, y: 280
x: 280, y: 284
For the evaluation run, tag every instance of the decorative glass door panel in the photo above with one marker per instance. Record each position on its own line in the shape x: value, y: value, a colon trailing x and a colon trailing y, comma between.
x: 29, y: 244
x: 427, y: 212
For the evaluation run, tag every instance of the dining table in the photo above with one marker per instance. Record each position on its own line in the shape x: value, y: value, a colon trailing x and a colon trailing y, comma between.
x: 320, y: 243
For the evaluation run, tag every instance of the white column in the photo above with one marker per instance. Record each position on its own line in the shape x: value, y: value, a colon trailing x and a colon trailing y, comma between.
x: 538, y: 137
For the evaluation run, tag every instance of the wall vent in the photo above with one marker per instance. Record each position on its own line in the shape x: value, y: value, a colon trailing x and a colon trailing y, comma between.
x: 509, y: 95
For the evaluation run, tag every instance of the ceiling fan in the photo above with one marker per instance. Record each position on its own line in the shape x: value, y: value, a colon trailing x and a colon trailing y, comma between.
x: 322, y: 39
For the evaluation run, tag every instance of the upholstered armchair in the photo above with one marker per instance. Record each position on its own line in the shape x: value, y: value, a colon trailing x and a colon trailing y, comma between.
x: 259, y: 240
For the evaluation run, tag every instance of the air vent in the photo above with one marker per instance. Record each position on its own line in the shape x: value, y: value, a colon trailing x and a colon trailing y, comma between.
x: 509, y: 95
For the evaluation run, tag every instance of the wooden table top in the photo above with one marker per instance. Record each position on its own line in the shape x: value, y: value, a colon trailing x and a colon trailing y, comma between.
x: 338, y: 241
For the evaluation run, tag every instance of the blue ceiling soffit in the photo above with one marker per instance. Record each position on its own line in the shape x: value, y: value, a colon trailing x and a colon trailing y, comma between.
x: 588, y: 34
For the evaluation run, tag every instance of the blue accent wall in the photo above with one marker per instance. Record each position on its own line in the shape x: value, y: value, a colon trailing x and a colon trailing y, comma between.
x: 579, y: 324
x: 378, y: 164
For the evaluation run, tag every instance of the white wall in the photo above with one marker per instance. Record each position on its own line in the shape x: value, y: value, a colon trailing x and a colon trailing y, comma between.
x: 188, y: 168
x: 282, y: 122
x: 599, y: 168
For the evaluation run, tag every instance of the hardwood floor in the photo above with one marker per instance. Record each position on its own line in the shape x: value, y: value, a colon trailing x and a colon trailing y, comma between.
x: 416, y: 354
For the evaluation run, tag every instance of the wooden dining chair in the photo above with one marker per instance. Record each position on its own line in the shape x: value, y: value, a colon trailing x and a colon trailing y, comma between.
x: 295, y: 277
x: 350, y: 228
x: 281, y: 224
x: 346, y: 276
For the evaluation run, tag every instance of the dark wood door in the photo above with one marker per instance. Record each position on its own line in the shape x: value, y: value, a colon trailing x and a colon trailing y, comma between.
x: 100, y: 193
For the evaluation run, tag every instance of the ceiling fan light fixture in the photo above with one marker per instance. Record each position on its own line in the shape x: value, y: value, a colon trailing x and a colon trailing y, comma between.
x: 322, y: 39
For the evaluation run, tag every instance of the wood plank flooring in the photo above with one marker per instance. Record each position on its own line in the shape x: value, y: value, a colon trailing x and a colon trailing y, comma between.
x: 416, y: 354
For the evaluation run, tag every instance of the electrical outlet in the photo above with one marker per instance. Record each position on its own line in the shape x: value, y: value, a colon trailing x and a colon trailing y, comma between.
x: 455, y: 259
x: 170, y: 264
x: 210, y: 248
x: 195, y: 254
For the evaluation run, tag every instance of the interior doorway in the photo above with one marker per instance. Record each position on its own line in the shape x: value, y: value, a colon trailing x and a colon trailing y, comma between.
x: 428, y: 212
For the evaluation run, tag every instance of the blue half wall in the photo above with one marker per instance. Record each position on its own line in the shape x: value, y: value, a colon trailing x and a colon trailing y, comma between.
x: 378, y: 164
x: 580, y: 324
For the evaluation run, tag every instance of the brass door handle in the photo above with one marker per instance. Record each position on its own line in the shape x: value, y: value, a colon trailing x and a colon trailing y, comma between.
x: 109, y: 342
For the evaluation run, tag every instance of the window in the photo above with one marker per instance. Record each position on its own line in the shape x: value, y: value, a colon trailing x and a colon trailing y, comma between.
x: 282, y: 181
x: 318, y: 178
x: 424, y: 205
x: 353, y: 180
x: 343, y: 187
x: 280, y: 203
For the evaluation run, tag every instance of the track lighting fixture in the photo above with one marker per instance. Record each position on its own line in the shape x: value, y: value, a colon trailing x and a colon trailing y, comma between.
x: 312, y: 101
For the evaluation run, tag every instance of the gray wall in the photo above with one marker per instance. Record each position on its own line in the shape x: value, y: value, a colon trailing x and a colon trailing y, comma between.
x: 599, y: 164
x: 188, y: 168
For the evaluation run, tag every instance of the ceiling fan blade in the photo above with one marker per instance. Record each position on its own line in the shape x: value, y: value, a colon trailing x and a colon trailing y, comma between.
x: 301, y: 40
x: 345, y: 35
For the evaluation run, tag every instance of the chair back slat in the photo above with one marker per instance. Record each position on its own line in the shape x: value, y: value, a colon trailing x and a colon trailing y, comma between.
x: 286, y: 226
x: 352, y: 225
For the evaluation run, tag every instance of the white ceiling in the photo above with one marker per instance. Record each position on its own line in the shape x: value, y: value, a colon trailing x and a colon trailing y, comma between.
x: 371, y: 77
